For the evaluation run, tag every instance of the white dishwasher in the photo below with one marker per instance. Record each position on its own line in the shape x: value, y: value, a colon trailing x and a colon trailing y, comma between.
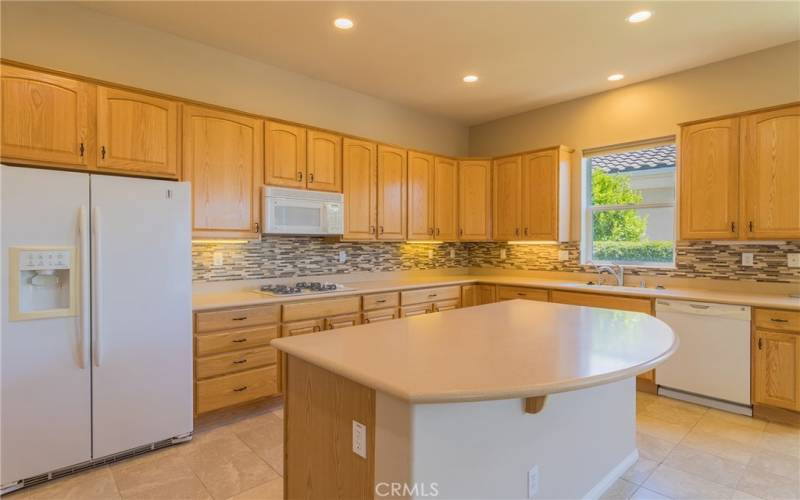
x: 713, y: 357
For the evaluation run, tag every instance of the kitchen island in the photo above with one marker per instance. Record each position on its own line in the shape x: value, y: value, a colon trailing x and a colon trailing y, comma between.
x: 471, y: 403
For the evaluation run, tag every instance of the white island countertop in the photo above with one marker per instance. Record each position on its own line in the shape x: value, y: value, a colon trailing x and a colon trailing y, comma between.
x: 512, y: 349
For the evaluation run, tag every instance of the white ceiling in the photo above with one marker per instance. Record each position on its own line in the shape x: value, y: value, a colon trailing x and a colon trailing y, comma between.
x: 527, y: 54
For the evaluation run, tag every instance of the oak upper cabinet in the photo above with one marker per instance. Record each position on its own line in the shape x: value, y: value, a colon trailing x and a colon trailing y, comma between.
x: 136, y: 133
x: 709, y: 180
x: 474, y: 200
x: 223, y: 159
x: 445, y: 199
x: 360, y: 186
x: 770, y: 166
x: 420, y: 196
x: 286, y: 155
x: 391, y: 193
x: 324, y: 169
x: 507, y: 194
x: 46, y: 119
x: 545, y: 195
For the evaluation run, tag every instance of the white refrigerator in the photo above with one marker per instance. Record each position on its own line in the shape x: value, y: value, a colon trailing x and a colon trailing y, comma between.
x: 96, y: 332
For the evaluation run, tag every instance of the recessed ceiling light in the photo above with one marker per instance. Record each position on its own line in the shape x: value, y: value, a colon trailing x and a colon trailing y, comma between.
x: 638, y: 17
x: 470, y: 79
x: 616, y: 77
x: 343, y: 23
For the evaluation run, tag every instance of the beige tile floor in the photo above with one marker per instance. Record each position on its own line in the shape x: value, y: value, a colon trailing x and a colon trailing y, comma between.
x: 686, y: 451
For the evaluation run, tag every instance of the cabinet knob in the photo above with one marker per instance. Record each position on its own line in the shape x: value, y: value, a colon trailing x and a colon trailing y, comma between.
x: 102, y: 152
x: 82, y: 149
x: 299, y: 175
x: 516, y: 231
x: 311, y: 177
x: 430, y: 231
x: 733, y: 227
x: 526, y: 231
x: 240, y: 389
x: 258, y: 228
x: 437, y: 231
x: 750, y: 226
x: 372, y: 230
x: 760, y: 343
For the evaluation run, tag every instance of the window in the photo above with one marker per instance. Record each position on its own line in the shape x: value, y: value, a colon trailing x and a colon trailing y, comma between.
x: 630, y: 205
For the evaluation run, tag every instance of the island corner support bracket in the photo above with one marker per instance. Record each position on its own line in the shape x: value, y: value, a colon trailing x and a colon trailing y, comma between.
x: 534, y: 404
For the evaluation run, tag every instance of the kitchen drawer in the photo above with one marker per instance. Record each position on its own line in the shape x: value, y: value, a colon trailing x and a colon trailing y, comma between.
x: 380, y: 300
x: 520, y: 292
x: 446, y: 305
x: 603, y: 301
x: 243, y: 338
x: 778, y: 320
x: 415, y: 310
x: 302, y: 327
x: 231, y: 362
x: 228, y: 390
x: 381, y: 315
x: 343, y: 321
x: 237, y: 318
x: 321, y: 308
x: 409, y: 297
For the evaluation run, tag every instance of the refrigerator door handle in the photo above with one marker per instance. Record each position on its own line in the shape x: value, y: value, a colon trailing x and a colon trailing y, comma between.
x: 97, y: 291
x: 83, y: 316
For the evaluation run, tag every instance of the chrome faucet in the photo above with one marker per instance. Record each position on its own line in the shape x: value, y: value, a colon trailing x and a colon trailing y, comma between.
x: 619, y: 273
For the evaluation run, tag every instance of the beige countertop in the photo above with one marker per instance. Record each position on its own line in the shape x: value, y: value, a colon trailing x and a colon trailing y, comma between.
x: 218, y: 300
x: 512, y: 349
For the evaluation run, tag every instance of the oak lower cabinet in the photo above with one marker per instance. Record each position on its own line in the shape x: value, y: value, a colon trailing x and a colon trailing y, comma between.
x: 776, y: 359
x: 429, y: 300
x: 524, y: 293
x: 137, y: 133
x: 474, y: 200
x: 46, y: 119
x: 379, y: 307
x: 223, y: 159
x: 645, y: 381
x: 318, y: 315
x: 233, y: 360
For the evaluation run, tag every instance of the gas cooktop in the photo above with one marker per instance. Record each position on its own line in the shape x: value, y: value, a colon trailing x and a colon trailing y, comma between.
x: 302, y: 288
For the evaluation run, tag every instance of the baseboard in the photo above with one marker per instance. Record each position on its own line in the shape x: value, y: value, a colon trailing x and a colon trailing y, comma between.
x: 706, y: 401
x: 643, y: 385
x: 604, y: 484
x: 779, y: 415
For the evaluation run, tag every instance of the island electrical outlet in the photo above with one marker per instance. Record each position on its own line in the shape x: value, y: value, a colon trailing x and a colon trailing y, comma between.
x: 359, y: 439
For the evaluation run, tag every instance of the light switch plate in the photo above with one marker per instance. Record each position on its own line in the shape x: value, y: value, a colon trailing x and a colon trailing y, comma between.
x: 533, y: 482
x: 342, y: 256
x: 747, y: 259
x: 793, y: 259
x: 359, y: 439
x: 218, y: 258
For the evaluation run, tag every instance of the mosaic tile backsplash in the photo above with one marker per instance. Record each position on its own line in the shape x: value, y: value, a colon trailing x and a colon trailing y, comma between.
x: 278, y: 257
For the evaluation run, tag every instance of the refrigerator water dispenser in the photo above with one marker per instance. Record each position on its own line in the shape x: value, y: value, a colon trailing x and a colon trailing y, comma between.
x: 43, y: 282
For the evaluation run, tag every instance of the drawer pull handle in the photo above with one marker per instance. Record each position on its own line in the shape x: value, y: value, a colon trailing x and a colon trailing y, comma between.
x: 779, y: 320
x: 381, y: 301
x: 240, y: 389
x: 240, y: 318
x: 522, y: 294
x: 698, y: 306
x: 240, y: 361
x: 238, y: 341
x: 432, y: 295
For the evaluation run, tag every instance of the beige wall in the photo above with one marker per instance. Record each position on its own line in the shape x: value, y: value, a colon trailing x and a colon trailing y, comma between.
x: 74, y: 39
x: 646, y: 110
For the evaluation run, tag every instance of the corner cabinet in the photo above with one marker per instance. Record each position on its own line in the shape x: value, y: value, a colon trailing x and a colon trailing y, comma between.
x: 223, y: 159
x: 740, y: 177
x: 46, y: 119
x: 136, y: 133
x: 475, y: 200
x: 360, y: 187
x: 709, y: 180
x: 392, y: 174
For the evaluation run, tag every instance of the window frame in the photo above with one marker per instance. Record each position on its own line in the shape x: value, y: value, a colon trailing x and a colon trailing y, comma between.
x: 588, y: 210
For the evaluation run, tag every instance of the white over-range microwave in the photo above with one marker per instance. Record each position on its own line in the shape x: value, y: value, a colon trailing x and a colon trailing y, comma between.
x: 301, y: 212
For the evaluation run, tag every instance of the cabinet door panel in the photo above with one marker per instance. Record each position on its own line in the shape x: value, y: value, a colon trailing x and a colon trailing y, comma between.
x: 391, y: 193
x: 46, y: 118
x: 420, y: 196
x: 359, y: 176
x: 324, y: 161
x: 381, y: 315
x: 507, y: 193
x: 286, y: 155
x: 486, y: 294
x: 475, y: 200
x: 709, y: 180
x: 777, y: 378
x: 771, y: 174
x: 445, y: 199
x: 540, y: 196
x: 302, y: 327
x: 137, y: 133
x: 223, y: 158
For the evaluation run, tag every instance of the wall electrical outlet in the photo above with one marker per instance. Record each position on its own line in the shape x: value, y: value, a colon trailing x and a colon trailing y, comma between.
x: 793, y: 259
x: 452, y: 253
x: 430, y: 253
x: 533, y: 482
x: 502, y: 254
x: 563, y: 255
x: 359, y: 439
x: 342, y: 256
x: 747, y: 259
x: 218, y: 261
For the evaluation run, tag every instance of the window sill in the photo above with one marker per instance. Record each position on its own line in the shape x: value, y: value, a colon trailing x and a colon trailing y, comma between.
x: 636, y: 265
